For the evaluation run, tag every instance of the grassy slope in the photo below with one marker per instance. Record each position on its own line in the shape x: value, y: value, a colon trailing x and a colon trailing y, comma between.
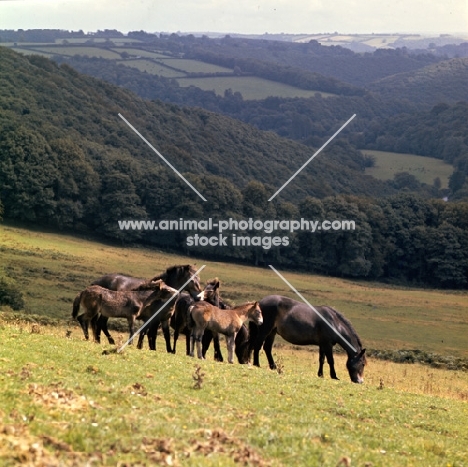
x: 62, y: 399
x: 425, y: 169
x: 53, y: 268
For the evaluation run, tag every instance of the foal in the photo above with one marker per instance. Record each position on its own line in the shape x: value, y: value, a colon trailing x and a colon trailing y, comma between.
x: 132, y: 305
x: 203, y: 316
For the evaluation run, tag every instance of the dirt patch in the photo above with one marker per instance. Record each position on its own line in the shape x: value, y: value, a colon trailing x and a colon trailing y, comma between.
x: 18, y: 446
x: 217, y: 441
x: 55, y: 396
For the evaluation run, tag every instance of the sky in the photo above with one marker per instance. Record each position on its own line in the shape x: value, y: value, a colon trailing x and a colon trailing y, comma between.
x: 240, y: 16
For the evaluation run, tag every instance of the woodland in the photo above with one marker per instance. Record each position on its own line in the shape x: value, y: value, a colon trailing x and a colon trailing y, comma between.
x: 69, y: 163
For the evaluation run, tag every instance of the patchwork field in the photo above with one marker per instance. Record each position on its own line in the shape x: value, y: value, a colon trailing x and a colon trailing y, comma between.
x: 161, y: 64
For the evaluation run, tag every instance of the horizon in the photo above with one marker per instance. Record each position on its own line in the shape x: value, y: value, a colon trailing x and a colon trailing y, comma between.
x: 292, y: 17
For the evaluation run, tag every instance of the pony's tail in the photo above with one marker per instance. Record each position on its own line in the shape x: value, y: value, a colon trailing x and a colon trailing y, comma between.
x: 190, y: 320
x: 76, y: 305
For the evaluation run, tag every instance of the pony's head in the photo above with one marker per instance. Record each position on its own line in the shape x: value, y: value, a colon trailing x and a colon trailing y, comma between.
x: 355, y: 365
x: 255, y: 314
x: 211, y: 292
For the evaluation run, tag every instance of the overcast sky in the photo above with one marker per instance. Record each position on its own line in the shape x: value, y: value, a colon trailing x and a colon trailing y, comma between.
x: 239, y: 16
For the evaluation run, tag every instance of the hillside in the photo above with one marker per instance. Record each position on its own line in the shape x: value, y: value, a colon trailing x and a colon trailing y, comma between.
x: 441, y: 82
x: 56, y: 103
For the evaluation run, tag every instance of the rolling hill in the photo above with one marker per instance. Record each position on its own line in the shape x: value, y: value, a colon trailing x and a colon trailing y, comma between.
x: 440, y: 82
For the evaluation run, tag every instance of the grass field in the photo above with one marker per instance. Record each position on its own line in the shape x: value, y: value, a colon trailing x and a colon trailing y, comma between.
x: 87, y: 51
x: 153, y: 67
x: 250, y: 87
x: 425, y: 169
x: 194, y: 66
x: 63, y: 402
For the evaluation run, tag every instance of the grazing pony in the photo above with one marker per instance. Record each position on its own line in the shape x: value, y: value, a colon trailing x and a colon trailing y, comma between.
x: 299, y: 324
x: 203, y: 316
x: 174, y: 276
x: 127, y: 304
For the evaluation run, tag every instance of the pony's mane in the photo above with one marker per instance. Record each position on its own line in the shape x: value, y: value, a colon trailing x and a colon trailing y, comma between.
x: 177, y: 269
x: 348, y: 324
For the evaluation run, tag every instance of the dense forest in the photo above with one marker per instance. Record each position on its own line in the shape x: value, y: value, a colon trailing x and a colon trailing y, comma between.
x: 68, y: 161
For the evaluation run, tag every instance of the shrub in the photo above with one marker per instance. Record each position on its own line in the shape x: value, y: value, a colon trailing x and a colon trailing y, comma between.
x: 10, y: 294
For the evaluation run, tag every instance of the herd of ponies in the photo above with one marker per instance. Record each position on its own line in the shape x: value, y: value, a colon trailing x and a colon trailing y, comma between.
x: 175, y: 299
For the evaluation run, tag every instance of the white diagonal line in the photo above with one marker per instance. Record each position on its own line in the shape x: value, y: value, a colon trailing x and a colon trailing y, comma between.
x: 159, y: 311
x: 162, y: 157
x: 313, y: 308
x: 302, y: 167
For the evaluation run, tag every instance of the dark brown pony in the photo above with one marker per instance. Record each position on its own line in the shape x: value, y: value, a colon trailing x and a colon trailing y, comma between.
x: 211, y: 295
x: 299, y: 324
x: 174, y: 276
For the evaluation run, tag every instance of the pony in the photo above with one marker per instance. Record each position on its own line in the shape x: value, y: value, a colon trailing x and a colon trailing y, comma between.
x: 174, y: 276
x: 203, y: 316
x: 299, y: 324
x: 97, y: 300
x: 179, y: 320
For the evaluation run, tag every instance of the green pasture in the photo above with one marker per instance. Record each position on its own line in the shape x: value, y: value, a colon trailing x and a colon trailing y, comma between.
x: 251, y: 87
x: 425, y: 169
x: 66, y: 401
x: 194, y: 66
x: 28, y: 51
x: 87, y: 51
x: 53, y: 268
x: 140, y: 52
x: 152, y: 67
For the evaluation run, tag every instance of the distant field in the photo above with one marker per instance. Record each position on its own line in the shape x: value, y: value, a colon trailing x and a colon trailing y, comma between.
x: 140, y: 52
x: 152, y: 67
x: 194, y: 66
x: 251, y: 87
x: 31, y: 52
x: 86, y: 51
x: 425, y: 169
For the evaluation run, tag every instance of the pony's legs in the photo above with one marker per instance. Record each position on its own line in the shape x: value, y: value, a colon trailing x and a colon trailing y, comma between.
x: 176, y: 336
x: 230, y: 341
x: 327, y: 352
x: 321, y: 362
x: 167, y: 335
x: 187, y: 342
x: 207, y: 338
x: 84, y: 325
x: 268, y: 346
x: 197, y: 336
x: 101, y: 324
x: 218, y: 356
x: 152, y: 333
x: 242, y: 346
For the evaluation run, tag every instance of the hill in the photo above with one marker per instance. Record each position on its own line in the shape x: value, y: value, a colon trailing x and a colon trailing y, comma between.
x: 441, y: 82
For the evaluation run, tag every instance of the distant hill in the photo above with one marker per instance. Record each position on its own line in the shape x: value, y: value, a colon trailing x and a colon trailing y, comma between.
x: 446, y: 81
x: 63, y: 149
